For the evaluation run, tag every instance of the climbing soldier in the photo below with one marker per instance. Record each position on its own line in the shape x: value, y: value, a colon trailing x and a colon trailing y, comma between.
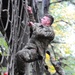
x: 36, y: 47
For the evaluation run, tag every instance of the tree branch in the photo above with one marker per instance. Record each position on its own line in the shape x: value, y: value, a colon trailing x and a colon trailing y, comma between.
x: 72, y: 2
x: 59, y: 1
x: 57, y: 67
x: 63, y: 21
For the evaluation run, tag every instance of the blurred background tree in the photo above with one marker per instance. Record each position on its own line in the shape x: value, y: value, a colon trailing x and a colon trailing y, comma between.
x: 64, y: 26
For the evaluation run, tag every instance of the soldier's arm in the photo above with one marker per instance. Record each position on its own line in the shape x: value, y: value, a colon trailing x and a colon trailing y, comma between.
x: 45, y: 32
x: 31, y: 16
x: 34, y: 26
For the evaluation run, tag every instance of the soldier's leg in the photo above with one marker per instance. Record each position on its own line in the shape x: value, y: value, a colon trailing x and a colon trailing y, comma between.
x: 19, y: 64
x: 25, y: 56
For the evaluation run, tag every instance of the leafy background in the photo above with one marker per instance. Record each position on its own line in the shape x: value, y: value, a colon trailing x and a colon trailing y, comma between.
x: 64, y: 27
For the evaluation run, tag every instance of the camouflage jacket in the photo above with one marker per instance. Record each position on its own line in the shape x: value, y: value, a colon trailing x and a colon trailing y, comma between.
x: 41, y: 37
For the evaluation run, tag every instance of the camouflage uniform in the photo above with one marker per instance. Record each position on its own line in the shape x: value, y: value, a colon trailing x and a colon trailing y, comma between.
x: 34, y: 51
x: 35, y: 48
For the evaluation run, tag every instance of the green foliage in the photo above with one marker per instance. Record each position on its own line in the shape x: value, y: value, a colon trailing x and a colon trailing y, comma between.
x: 3, y: 69
x: 3, y: 43
x: 64, y: 27
x: 69, y: 68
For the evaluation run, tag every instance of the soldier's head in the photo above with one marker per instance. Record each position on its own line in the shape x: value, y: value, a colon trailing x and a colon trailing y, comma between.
x: 47, y: 20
